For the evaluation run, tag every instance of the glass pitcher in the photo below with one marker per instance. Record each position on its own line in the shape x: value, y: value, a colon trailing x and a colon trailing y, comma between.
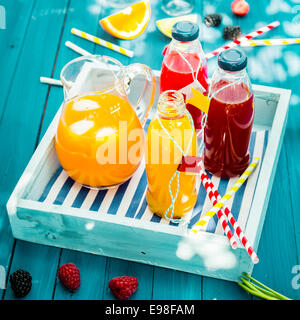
x: 100, y: 139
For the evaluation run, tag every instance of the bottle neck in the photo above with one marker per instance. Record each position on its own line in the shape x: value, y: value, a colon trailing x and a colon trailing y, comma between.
x: 231, y: 86
x: 186, y: 46
x: 171, y: 105
x: 232, y: 75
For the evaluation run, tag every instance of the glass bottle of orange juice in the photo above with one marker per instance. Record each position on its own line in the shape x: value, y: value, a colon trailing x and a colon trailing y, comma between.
x: 170, y: 134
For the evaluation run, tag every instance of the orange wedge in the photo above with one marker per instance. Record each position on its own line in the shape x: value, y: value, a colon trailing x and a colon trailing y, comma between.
x: 128, y: 23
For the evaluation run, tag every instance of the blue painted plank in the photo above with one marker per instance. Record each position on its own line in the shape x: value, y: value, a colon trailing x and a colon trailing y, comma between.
x: 144, y: 274
x: 277, y: 248
x: 92, y: 276
x: 42, y: 270
x: 287, y: 61
x: 176, y: 285
x: 222, y: 290
x: 22, y: 116
x: 17, y: 16
x: 275, y: 66
x: 11, y: 40
x: 6, y: 243
x: 292, y: 144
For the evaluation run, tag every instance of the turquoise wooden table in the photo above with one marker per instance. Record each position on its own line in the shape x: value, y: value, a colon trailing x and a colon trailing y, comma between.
x: 32, y: 45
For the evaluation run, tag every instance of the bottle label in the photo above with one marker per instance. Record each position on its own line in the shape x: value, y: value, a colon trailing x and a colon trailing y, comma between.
x: 187, y: 90
x: 199, y: 100
x: 190, y: 164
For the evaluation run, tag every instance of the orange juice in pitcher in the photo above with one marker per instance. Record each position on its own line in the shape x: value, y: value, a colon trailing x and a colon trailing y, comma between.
x: 99, y: 140
x: 170, y: 134
x: 88, y: 126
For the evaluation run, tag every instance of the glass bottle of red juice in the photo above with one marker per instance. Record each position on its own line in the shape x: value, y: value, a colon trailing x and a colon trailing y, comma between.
x: 184, y: 65
x: 230, y: 117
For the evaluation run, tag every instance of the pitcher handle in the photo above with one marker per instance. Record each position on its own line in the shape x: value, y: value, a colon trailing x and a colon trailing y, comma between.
x: 146, y: 99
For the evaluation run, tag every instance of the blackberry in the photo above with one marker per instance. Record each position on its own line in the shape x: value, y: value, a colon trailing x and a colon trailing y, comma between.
x: 213, y: 20
x: 232, y: 32
x: 20, y: 282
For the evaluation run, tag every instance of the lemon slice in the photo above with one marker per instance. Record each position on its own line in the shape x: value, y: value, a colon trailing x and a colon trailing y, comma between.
x: 165, y: 25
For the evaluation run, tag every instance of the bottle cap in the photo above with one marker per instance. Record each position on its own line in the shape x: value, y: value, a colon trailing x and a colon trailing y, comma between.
x: 185, y: 31
x: 232, y: 60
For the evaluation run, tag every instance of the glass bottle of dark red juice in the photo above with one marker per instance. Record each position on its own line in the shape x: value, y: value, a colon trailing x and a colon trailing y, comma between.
x: 184, y: 65
x: 230, y: 117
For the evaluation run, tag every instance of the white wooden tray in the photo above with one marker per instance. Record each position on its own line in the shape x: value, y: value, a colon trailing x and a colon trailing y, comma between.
x: 47, y: 207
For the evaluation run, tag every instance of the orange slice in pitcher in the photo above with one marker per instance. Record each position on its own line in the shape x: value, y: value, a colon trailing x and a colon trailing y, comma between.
x: 128, y: 23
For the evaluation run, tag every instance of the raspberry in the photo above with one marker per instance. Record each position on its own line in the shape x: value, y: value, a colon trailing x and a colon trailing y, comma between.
x: 213, y: 20
x: 69, y: 275
x: 123, y: 287
x: 232, y: 32
x: 240, y: 7
x: 20, y: 282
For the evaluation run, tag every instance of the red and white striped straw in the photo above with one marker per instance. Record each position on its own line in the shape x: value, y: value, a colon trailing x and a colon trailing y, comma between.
x: 215, y: 197
x: 223, y: 222
x: 246, y: 37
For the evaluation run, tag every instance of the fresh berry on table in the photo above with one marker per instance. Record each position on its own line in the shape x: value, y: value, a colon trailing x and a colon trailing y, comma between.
x: 21, y: 282
x: 69, y: 275
x: 123, y: 287
x: 232, y: 32
x: 213, y: 20
x: 240, y: 7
